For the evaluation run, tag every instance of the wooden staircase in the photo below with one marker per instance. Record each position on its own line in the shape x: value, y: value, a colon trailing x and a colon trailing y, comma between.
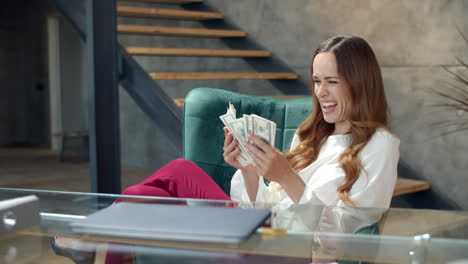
x: 176, y: 2
x: 215, y: 75
x: 197, y: 52
x: 404, y: 186
x: 176, y: 31
x: 135, y: 11
x: 163, y: 13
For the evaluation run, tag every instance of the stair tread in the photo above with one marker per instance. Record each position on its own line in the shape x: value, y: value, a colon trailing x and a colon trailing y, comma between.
x: 180, y: 101
x: 177, y: 2
x: 197, y: 52
x: 166, y: 13
x: 221, y: 75
x: 406, y: 186
x: 177, y: 31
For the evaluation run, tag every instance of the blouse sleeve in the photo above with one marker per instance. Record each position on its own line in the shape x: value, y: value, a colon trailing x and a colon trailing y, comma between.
x: 238, y: 190
x: 380, y: 161
x: 375, y: 185
x: 321, y: 188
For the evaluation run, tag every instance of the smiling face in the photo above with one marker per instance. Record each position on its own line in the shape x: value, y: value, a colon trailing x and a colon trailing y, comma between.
x: 332, y: 92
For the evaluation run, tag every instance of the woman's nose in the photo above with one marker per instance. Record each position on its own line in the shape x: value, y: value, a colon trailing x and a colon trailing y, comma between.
x: 321, y: 90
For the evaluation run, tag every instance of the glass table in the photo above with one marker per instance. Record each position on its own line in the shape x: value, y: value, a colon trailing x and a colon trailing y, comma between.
x: 303, y: 233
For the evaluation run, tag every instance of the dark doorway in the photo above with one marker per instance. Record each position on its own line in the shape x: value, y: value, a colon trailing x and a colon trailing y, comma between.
x: 23, y: 74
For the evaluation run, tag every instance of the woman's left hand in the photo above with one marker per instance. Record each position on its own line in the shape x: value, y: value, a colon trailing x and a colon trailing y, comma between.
x: 269, y: 161
x: 272, y: 165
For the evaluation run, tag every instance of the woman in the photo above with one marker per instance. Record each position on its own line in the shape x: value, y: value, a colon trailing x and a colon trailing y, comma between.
x: 344, y: 153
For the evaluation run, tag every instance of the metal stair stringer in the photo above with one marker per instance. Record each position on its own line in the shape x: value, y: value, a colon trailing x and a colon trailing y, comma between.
x: 147, y: 94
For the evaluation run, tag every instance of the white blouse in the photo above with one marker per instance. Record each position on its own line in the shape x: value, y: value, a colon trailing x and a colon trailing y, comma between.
x: 373, y: 188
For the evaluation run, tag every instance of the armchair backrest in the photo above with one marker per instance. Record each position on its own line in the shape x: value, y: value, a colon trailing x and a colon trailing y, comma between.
x: 203, y: 135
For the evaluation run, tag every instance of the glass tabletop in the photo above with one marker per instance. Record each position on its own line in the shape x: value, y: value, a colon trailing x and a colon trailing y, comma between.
x: 304, y: 233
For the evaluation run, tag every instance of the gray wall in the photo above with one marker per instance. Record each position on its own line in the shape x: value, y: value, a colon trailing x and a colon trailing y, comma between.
x: 73, y: 78
x: 412, y: 40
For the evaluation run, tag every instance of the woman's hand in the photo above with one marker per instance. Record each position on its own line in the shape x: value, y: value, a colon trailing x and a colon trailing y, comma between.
x: 269, y: 161
x: 272, y: 165
x: 231, y: 150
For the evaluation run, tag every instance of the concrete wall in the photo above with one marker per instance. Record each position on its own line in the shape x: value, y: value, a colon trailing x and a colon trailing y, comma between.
x: 73, y: 78
x: 412, y: 40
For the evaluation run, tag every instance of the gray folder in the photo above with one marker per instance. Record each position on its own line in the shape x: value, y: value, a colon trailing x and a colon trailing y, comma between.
x: 173, y: 222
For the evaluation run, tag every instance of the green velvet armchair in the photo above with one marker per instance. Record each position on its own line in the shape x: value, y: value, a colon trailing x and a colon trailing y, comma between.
x: 203, y: 135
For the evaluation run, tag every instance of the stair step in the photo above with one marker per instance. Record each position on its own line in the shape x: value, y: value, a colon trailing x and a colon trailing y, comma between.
x: 406, y: 186
x: 177, y: 2
x: 197, y: 52
x: 221, y: 75
x: 180, y: 101
x: 176, y: 31
x: 135, y: 11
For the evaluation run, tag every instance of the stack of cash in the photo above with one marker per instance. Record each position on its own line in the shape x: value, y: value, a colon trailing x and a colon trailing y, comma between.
x: 248, y: 124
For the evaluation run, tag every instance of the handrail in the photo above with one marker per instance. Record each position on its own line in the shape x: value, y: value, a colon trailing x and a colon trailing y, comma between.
x: 149, y: 96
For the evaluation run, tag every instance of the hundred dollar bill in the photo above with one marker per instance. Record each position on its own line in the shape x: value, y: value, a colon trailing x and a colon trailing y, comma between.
x: 264, y: 129
x: 236, y: 127
x: 238, y: 130
x: 231, y: 110
x: 248, y: 126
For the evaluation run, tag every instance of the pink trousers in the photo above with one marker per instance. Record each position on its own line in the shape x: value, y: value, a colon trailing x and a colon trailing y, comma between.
x: 180, y: 178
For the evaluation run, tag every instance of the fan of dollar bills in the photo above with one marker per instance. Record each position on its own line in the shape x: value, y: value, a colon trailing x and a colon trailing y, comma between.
x: 252, y: 124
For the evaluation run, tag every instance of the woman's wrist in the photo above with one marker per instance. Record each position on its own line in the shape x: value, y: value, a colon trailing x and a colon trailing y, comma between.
x: 251, y: 181
x: 294, y: 186
x: 249, y: 171
x: 287, y: 178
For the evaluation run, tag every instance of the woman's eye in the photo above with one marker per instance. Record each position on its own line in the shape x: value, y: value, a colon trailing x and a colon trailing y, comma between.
x: 334, y: 82
x: 316, y: 81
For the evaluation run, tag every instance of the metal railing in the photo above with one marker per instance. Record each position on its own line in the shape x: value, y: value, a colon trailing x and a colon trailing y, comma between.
x: 109, y: 65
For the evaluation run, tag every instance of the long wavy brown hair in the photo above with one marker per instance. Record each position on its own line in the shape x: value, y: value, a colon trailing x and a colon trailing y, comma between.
x: 358, y: 65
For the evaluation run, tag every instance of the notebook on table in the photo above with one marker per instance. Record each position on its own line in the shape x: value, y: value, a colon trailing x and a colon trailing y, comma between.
x: 173, y: 222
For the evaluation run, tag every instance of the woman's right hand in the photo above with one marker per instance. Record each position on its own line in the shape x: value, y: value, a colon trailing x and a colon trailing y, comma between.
x: 231, y: 150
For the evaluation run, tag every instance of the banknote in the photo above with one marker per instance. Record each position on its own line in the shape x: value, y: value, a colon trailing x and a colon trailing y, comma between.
x: 236, y: 127
x: 248, y: 124
x: 264, y: 129
x: 231, y: 110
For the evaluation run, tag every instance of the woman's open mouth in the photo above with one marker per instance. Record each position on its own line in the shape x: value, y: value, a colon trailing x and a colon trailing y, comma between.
x: 328, y: 107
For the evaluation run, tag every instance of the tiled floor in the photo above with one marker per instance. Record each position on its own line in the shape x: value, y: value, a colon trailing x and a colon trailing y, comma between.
x: 34, y: 168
